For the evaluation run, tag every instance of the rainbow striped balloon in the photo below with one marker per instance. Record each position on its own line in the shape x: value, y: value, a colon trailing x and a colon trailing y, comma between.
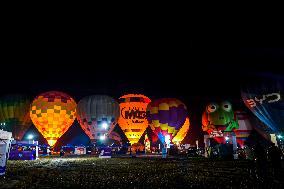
x: 166, y: 116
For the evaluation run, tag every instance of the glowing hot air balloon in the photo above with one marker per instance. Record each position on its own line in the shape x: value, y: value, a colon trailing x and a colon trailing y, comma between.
x: 132, y: 118
x: 14, y: 114
x: 166, y: 116
x: 219, y: 117
x: 97, y: 115
x: 53, y: 113
x: 264, y: 96
x: 182, y: 132
x: 245, y: 127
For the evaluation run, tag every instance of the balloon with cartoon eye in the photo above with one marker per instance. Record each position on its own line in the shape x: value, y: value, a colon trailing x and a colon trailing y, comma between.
x: 219, y: 116
x: 212, y: 108
x: 227, y: 106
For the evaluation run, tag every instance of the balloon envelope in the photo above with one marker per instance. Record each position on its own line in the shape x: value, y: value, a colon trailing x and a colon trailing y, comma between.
x: 245, y: 123
x: 219, y: 117
x: 264, y: 96
x: 14, y: 114
x: 97, y: 115
x: 132, y: 120
x: 53, y: 113
x: 182, y: 132
x: 166, y: 116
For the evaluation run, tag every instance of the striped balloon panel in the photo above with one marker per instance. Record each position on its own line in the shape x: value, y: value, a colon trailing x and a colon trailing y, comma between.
x: 14, y: 114
x: 96, y: 110
x: 166, y: 117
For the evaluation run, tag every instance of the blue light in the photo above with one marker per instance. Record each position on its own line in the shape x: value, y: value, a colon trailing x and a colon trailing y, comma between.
x: 103, y: 137
x: 30, y: 136
x: 105, y: 125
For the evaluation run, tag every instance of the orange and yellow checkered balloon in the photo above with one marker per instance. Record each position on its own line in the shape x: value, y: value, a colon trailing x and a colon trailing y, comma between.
x: 53, y: 113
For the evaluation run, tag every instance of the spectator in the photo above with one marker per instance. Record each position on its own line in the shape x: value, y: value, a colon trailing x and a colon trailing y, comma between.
x: 261, y: 161
x: 61, y: 153
x: 274, y: 155
x: 248, y: 153
x: 241, y: 154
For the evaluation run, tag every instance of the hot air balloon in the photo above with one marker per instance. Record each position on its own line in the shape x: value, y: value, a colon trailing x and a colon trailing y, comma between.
x: 182, y: 132
x: 264, y: 96
x: 97, y: 115
x: 53, y: 113
x: 132, y: 118
x: 219, y: 117
x: 166, y: 116
x: 115, y: 137
x: 14, y: 114
x: 245, y: 123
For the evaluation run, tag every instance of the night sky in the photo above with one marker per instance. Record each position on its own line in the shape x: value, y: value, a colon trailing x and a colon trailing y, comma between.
x: 195, y: 71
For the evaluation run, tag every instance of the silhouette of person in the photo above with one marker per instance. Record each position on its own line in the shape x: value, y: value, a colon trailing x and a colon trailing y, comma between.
x: 261, y: 160
x: 275, y: 154
x: 61, y: 153
x: 248, y: 153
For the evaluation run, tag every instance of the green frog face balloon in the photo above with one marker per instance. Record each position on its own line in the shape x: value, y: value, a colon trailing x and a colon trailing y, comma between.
x: 219, y: 116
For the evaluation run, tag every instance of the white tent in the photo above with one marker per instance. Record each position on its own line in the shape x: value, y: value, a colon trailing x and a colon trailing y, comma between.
x: 5, y: 144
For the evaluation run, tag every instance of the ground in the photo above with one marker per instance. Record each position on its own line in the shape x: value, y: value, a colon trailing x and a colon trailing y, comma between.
x: 147, y: 172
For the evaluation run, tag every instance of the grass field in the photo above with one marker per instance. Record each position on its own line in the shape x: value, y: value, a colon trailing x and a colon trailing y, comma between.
x: 92, y: 172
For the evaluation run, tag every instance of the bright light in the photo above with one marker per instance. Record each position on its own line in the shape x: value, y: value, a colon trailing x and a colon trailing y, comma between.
x: 279, y: 136
x: 226, y: 138
x: 51, y: 142
x: 105, y: 125
x: 103, y: 137
x: 168, y: 140
x: 30, y: 137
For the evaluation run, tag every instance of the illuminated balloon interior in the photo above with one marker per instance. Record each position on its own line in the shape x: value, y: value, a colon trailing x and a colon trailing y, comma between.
x: 53, y: 113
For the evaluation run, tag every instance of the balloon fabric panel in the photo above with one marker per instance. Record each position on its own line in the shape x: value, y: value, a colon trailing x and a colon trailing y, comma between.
x: 132, y: 120
x: 93, y: 111
x: 265, y: 98
x: 182, y: 132
x: 219, y: 116
x: 53, y: 113
x: 14, y: 114
x: 166, y: 116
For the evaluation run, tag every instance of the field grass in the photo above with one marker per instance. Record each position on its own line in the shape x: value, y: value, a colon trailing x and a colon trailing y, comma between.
x: 92, y: 172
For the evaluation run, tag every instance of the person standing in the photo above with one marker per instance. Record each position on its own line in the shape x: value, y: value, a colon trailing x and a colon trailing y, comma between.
x: 61, y: 153
x: 274, y: 155
x: 248, y: 153
x: 261, y: 160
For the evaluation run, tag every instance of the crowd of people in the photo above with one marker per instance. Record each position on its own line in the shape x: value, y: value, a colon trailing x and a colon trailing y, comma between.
x: 268, y: 161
